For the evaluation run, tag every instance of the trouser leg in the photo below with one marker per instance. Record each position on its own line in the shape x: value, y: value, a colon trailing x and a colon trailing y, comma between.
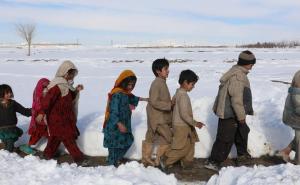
x: 34, y: 139
x: 189, y: 157
x: 224, y: 140
x: 175, y: 155
x: 241, y: 139
x: 115, y: 155
x: 164, y: 134
x: 73, y: 149
x: 297, y: 145
x: 52, y: 146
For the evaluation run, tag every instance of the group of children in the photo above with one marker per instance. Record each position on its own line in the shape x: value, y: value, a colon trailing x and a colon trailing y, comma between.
x: 170, y: 123
x: 53, y: 115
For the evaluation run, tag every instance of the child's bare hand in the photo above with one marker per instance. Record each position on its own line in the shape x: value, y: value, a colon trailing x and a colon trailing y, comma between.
x: 122, y: 127
x: 79, y: 87
x: 39, y: 118
x: 200, y: 125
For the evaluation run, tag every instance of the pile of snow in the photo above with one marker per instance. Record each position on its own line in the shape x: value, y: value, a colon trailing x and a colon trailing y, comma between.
x: 281, y: 174
x: 15, y: 170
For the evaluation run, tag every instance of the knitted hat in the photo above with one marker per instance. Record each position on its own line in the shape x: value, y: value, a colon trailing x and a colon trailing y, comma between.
x: 246, y: 57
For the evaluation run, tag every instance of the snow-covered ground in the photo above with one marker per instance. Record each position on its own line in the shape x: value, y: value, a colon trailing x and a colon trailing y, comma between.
x: 99, y: 67
x: 30, y: 170
x: 284, y: 174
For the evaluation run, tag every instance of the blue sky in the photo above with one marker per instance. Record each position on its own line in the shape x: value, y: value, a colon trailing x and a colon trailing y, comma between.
x: 141, y: 21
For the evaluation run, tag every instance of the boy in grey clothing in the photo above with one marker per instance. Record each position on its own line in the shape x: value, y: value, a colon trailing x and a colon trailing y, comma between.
x: 232, y: 104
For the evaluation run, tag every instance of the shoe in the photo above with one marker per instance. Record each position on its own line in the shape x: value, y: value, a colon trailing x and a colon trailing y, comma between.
x: 27, y: 149
x: 243, y: 160
x: 212, y: 166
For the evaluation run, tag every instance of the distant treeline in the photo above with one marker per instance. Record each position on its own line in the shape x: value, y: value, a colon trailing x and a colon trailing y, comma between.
x: 282, y: 44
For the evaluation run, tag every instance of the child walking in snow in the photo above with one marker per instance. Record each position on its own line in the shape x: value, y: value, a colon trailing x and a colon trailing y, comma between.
x: 118, y: 135
x: 183, y: 124
x: 59, y: 105
x: 159, y: 114
x: 9, y: 132
x: 37, y: 130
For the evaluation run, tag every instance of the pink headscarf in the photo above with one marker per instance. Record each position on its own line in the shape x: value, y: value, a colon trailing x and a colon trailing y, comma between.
x: 36, y: 101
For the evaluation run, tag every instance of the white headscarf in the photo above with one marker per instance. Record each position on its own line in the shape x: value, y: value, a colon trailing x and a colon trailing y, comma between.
x: 60, y: 80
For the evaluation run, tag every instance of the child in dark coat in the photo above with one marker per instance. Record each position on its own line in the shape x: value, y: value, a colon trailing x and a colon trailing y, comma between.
x: 9, y: 132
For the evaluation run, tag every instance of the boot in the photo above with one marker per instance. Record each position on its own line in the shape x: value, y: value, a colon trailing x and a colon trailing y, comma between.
x: 146, y: 154
x: 161, y: 150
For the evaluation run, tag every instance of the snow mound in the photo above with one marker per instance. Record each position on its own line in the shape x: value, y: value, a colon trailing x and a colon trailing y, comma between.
x: 15, y: 170
x: 279, y: 174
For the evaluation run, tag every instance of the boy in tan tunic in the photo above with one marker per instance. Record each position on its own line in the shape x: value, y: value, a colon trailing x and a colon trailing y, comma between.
x: 185, y: 135
x: 159, y: 116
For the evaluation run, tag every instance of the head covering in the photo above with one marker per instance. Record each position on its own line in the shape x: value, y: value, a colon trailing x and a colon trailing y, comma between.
x: 246, y: 57
x: 65, y: 67
x: 36, y: 101
x: 60, y: 80
x: 116, y: 89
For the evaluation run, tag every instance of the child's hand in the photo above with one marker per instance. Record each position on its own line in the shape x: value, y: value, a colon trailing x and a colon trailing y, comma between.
x: 79, y: 87
x: 200, y: 125
x: 122, y: 128
x: 39, y: 118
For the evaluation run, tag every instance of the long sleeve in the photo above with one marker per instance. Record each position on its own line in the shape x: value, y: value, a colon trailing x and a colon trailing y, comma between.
x: 156, y: 102
x: 134, y: 100
x: 114, y: 109
x: 49, y: 100
x: 236, y: 91
x: 185, y: 109
x: 22, y: 110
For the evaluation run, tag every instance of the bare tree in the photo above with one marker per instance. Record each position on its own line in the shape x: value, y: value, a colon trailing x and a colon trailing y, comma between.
x: 26, y: 32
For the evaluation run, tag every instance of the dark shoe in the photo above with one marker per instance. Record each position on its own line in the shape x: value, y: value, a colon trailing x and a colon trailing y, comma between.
x: 212, y: 165
x: 244, y: 160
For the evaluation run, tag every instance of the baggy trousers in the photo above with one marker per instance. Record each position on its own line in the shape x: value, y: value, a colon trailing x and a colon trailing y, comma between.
x: 229, y: 132
x: 70, y: 144
x: 115, y: 155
